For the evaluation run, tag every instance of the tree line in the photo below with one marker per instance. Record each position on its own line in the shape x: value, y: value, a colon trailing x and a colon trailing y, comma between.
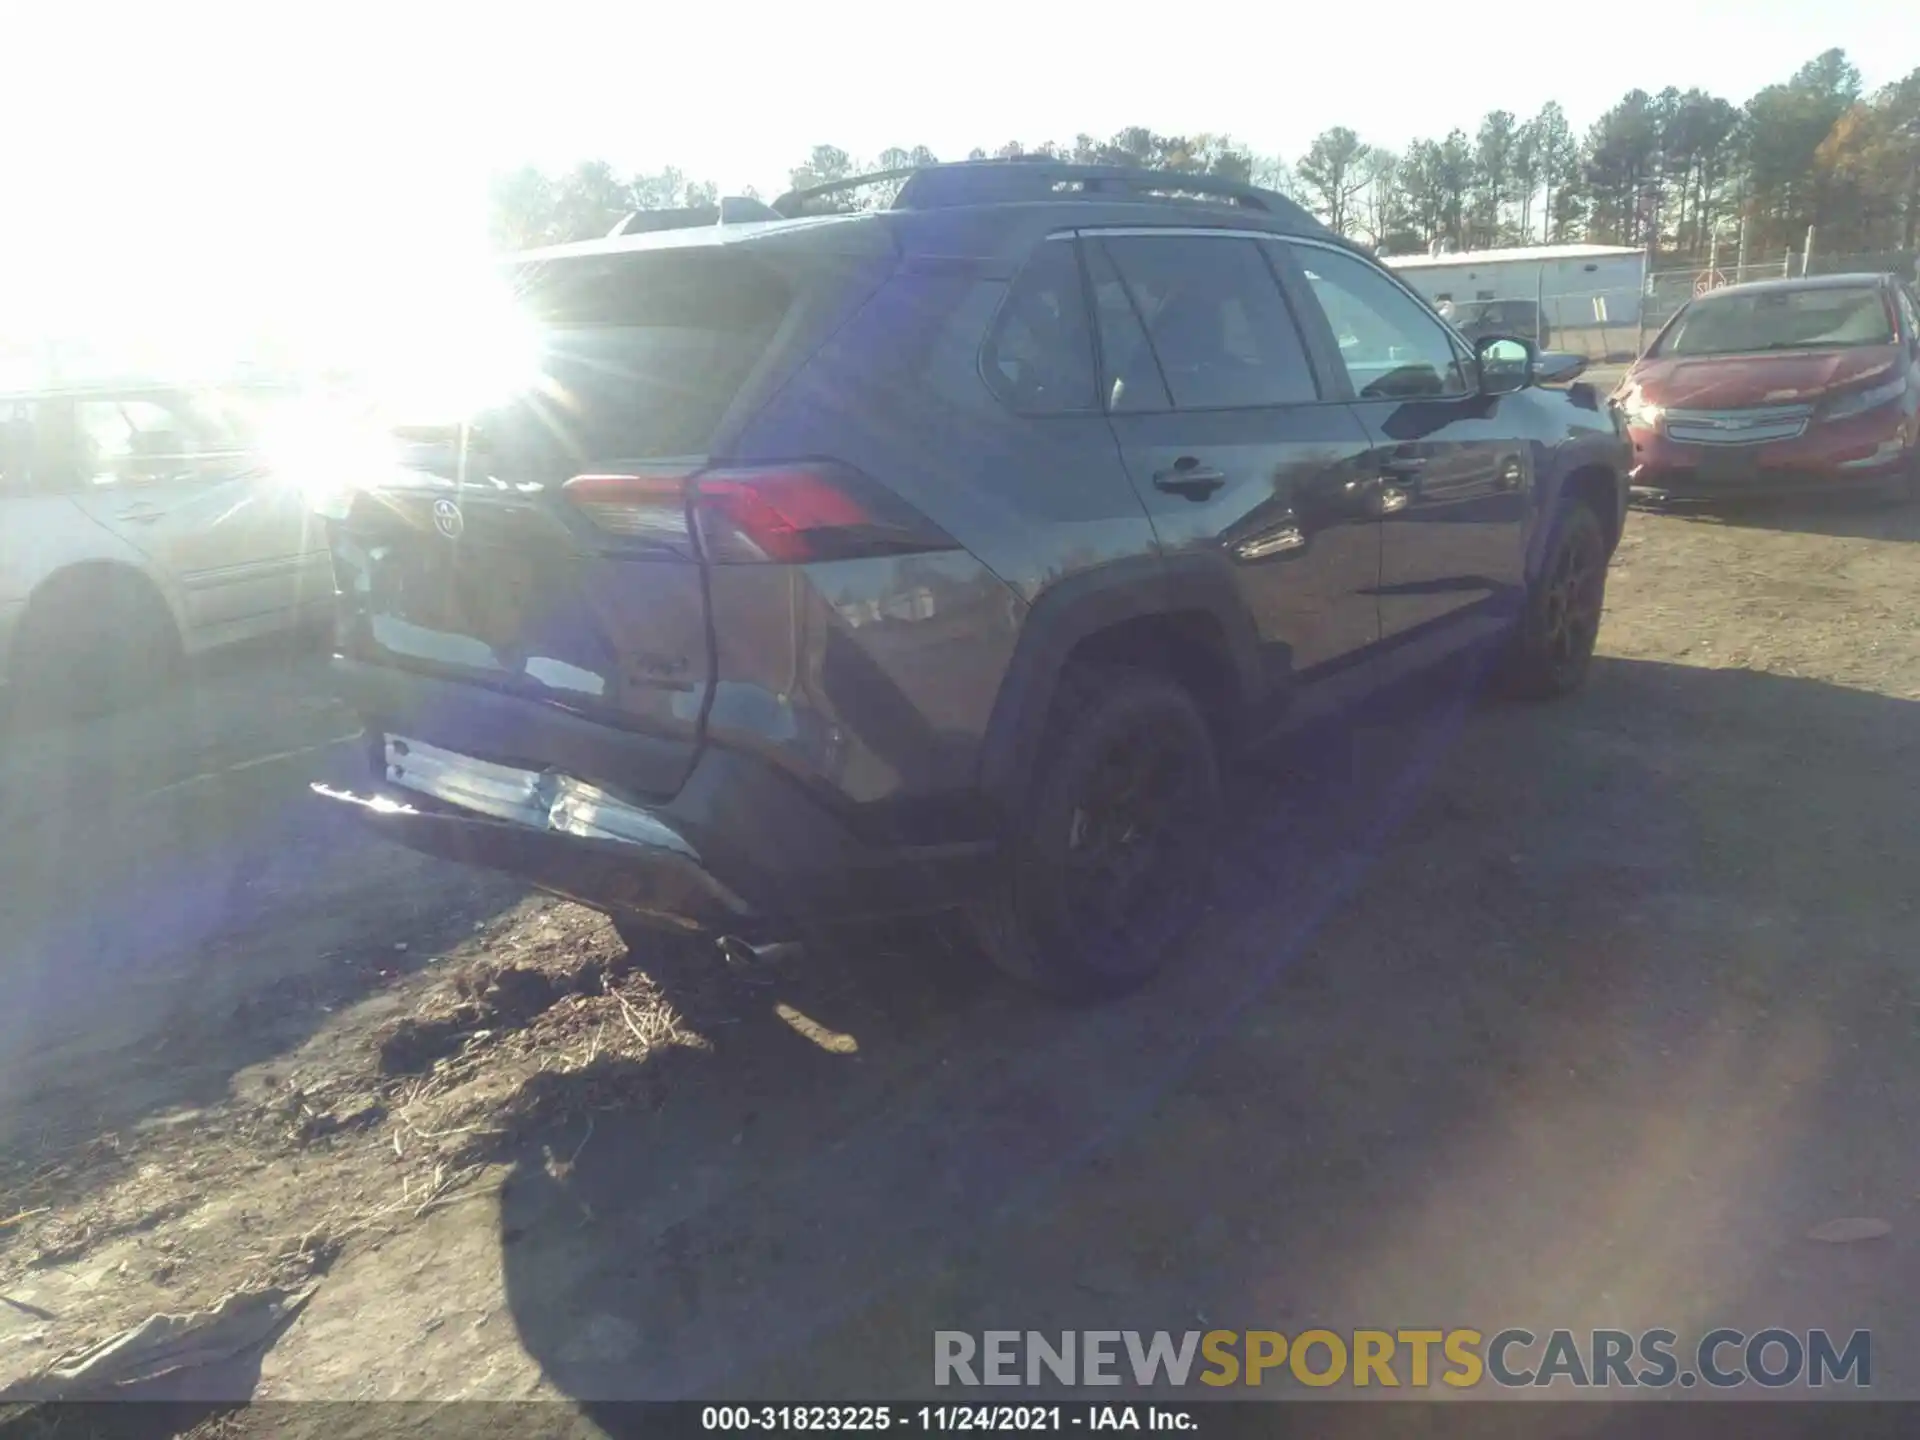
x: 1677, y: 173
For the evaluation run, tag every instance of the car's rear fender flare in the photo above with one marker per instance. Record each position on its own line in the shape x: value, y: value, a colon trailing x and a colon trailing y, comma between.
x: 1080, y: 609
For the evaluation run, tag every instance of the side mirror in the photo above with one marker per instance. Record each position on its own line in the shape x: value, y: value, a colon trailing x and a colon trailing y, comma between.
x: 1558, y: 369
x: 1506, y: 364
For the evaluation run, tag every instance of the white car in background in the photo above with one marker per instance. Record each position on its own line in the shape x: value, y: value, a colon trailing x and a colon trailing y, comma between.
x: 140, y: 525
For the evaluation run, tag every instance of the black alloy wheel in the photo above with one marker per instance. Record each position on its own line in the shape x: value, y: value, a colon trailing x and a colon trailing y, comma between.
x: 1110, y: 870
x: 1553, y: 645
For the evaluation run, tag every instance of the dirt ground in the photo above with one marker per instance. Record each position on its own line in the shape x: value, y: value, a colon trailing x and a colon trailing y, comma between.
x: 1563, y: 1016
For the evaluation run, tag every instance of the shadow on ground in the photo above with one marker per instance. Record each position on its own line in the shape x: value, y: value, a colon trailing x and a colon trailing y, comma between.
x: 1566, y: 1015
x: 175, y: 905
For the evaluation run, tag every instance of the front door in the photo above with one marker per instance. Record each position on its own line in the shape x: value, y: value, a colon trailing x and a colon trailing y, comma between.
x: 1237, y: 456
x: 1455, y: 478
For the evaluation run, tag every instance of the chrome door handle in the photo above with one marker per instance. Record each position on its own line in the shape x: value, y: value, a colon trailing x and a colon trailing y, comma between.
x: 142, y: 513
x: 1190, y: 478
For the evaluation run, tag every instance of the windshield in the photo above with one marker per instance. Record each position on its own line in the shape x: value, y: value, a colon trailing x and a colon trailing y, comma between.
x: 1814, y: 319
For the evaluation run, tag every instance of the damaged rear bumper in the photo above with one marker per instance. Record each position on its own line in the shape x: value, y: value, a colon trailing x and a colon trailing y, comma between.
x: 740, y: 849
x: 655, y: 883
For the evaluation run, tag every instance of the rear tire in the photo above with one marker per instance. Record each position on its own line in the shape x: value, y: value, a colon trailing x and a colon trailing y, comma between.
x: 1105, y: 872
x: 91, y: 643
x: 1552, y: 647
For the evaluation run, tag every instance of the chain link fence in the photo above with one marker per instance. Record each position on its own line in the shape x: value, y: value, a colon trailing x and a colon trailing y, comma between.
x: 1670, y: 288
x: 1904, y: 263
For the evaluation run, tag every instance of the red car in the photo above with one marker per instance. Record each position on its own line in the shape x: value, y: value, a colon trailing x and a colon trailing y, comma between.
x: 1783, y: 386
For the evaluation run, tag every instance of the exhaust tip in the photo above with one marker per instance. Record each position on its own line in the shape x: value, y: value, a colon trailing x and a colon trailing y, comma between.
x: 745, y: 955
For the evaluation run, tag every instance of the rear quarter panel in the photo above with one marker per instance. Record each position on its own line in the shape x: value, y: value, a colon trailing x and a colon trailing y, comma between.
x: 882, y: 675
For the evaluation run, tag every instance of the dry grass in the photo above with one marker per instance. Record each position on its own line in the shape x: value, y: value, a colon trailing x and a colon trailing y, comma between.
x: 369, y: 1128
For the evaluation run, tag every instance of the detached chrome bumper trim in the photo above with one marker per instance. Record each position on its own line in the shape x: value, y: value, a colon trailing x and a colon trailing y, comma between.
x: 665, y: 886
x: 538, y: 799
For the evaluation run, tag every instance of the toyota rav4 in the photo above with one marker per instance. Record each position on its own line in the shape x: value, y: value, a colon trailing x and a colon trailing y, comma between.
x: 940, y: 557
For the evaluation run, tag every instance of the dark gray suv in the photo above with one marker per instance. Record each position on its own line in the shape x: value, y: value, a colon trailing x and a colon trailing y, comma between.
x: 940, y: 557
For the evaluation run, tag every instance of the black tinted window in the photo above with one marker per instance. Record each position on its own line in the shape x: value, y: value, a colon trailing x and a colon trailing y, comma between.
x: 1390, y: 344
x: 640, y: 356
x: 1218, y: 324
x: 1039, y: 354
x: 1130, y: 382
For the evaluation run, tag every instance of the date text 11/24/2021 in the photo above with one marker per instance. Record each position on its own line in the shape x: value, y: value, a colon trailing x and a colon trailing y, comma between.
x: 996, y: 1418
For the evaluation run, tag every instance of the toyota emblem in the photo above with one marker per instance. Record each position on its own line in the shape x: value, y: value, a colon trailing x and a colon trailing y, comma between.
x: 447, y: 519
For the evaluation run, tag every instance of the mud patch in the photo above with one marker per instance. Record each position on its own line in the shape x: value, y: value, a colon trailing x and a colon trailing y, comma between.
x: 542, y: 1019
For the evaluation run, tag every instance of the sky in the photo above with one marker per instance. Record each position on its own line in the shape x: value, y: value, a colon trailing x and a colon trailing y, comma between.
x: 319, y: 160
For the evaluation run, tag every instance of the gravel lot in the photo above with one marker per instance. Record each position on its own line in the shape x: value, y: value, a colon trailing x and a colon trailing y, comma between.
x: 1559, y: 1017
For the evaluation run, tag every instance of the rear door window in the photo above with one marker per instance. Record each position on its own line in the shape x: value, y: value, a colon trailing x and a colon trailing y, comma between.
x: 1216, y: 319
x: 1038, y: 356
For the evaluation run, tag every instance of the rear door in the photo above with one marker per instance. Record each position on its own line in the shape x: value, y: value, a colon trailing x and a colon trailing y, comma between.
x: 481, y: 566
x: 1238, y: 456
x: 164, y: 472
x: 1455, y: 475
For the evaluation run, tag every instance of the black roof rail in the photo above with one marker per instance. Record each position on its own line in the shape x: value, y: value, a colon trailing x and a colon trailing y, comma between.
x: 1040, y: 177
x: 732, y: 210
x: 793, y: 204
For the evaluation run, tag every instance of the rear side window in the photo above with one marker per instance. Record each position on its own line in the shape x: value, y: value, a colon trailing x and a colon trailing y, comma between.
x: 1130, y: 381
x: 1909, y: 314
x: 1038, y: 357
x: 640, y: 357
x: 1214, y: 314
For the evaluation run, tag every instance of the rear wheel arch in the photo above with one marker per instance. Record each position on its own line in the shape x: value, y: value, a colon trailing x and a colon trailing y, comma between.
x: 1184, y: 622
x: 96, y: 576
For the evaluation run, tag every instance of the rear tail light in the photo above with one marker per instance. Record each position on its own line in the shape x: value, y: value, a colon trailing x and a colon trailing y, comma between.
x: 647, y: 506
x: 783, y: 514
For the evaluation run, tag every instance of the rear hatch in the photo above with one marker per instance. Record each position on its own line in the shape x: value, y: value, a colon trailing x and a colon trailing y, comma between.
x: 545, y: 549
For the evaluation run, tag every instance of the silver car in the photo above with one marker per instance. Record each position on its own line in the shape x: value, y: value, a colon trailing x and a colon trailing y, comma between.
x: 139, y: 526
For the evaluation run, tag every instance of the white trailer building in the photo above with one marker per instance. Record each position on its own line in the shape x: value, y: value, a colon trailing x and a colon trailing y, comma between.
x: 1588, y: 295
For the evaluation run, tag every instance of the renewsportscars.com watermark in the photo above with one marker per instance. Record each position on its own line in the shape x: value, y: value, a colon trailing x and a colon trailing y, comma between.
x: 1460, y: 1358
